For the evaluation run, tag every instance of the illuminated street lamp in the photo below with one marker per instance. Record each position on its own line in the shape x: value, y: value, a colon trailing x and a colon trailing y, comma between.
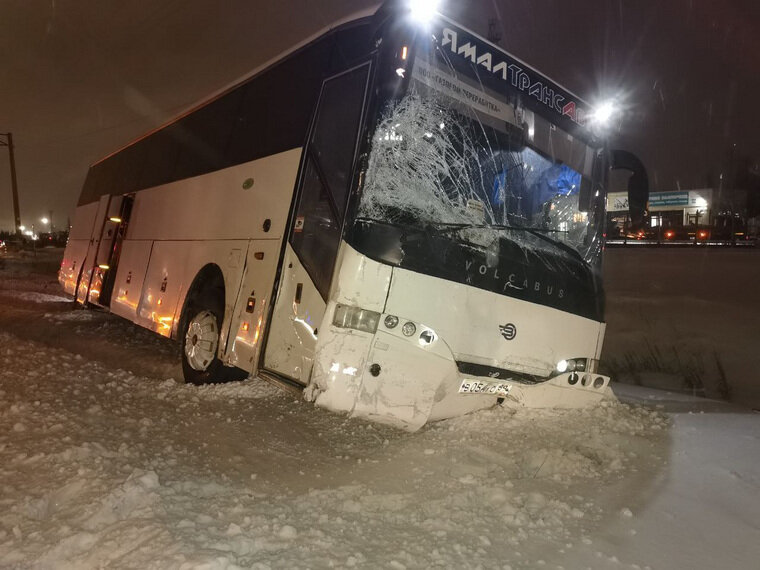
x: 48, y: 220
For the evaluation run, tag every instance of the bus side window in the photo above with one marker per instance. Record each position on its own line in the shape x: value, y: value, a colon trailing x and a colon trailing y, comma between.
x: 315, y: 240
x: 327, y: 175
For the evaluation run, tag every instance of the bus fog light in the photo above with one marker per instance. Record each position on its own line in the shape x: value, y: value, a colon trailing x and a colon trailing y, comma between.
x: 427, y: 337
x: 391, y: 321
x: 586, y: 380
x: 598, y: 382
x: 572, y: 379
x: 409, y: 329
x: 356, y: 318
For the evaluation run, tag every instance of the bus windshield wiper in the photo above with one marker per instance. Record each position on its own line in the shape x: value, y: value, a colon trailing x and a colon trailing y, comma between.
x: 446, y: 227
x: 538, y: 232
x: 559, y: 244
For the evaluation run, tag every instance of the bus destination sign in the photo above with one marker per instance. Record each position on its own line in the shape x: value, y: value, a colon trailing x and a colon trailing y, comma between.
x: 471, y: 50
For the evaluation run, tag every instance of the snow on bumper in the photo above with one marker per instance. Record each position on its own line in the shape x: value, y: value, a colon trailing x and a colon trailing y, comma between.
x: 406, y: 381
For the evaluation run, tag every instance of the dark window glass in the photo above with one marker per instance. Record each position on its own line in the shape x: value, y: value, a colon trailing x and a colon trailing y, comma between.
x: 335, y: 133
x: 316, y: 233
x: 204, y: 135
x: 327, y: 175
x: 160, y: 151
x: 277, y: 106
x: 267, y: 114
x: 352, y: 44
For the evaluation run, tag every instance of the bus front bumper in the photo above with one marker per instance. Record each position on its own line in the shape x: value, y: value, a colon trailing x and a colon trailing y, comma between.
x: 407, y: 381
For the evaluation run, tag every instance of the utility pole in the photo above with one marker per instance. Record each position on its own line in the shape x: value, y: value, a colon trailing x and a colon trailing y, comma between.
x: 14, y: 185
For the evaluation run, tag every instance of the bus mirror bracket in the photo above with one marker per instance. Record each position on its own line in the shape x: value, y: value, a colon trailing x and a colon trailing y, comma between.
x: 638, y: 185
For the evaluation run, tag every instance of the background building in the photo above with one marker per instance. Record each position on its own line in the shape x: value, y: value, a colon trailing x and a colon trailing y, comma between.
x: 667, y: 210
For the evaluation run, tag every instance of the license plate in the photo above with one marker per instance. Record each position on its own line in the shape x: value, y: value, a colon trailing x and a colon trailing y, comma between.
x: 484, y: 387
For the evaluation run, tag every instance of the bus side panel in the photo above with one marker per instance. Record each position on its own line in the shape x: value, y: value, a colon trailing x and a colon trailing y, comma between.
x: 229, y: 256
x: 73, y: 257
x: 76, y: 247
x: 129, y: 277
x: 298, y: 313
x: 233, y: 203
x: 161, y: 286
x: 251, y: 308
x: 171, y: 270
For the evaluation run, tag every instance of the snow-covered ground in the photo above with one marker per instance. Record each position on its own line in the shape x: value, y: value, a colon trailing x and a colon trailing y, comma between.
x: 685, y: 319
x: 106, y: 460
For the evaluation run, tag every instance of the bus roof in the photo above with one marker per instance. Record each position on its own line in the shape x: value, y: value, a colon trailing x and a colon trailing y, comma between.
x: 351, y: 18
x: 479, y: 46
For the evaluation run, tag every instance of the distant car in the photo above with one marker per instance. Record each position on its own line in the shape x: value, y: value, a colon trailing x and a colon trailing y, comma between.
x: 677, y: 233
x: 2, y: 246
x: 703, y: 234
x: 638, y: 235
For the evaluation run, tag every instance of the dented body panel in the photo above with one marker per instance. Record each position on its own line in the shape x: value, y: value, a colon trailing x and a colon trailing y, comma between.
x: 417, y: 381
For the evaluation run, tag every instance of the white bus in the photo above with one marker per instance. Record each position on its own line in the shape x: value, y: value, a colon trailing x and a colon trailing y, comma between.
x: 396, y: 216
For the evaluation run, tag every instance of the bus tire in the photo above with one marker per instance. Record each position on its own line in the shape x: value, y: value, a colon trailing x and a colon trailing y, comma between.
x: 199, y: 338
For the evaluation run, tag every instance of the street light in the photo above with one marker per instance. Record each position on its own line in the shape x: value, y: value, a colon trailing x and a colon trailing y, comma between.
x: 48, y: 220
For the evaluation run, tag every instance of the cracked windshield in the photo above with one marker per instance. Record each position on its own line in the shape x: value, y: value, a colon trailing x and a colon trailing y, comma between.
x: 451, y: 156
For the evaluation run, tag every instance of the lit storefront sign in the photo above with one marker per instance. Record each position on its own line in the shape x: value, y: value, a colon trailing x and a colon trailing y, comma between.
x: 618, y: 201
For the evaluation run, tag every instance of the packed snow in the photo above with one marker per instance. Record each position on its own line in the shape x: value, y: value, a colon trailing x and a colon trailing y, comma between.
x: 108, y: 460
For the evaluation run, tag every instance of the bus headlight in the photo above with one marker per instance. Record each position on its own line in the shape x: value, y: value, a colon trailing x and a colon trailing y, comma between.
x: 356, y: 318
x: 571, y: 365
x: 409, y: 328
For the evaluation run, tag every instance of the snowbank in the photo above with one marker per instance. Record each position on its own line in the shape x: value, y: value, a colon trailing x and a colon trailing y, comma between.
x: 101, y: 467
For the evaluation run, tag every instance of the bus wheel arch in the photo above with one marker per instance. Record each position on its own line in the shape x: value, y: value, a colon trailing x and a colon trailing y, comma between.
x: 199, y: 331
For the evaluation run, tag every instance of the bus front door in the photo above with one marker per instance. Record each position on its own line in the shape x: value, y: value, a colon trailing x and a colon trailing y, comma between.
x: 315, y: 230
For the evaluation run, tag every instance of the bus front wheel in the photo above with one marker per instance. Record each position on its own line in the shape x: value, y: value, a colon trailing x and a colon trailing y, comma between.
x: 200, y: 341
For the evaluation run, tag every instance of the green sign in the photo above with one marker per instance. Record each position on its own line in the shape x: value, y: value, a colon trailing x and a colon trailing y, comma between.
x: 658, y: 199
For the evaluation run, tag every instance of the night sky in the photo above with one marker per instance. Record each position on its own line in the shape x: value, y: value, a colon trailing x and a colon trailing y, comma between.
x: 81, y: 78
